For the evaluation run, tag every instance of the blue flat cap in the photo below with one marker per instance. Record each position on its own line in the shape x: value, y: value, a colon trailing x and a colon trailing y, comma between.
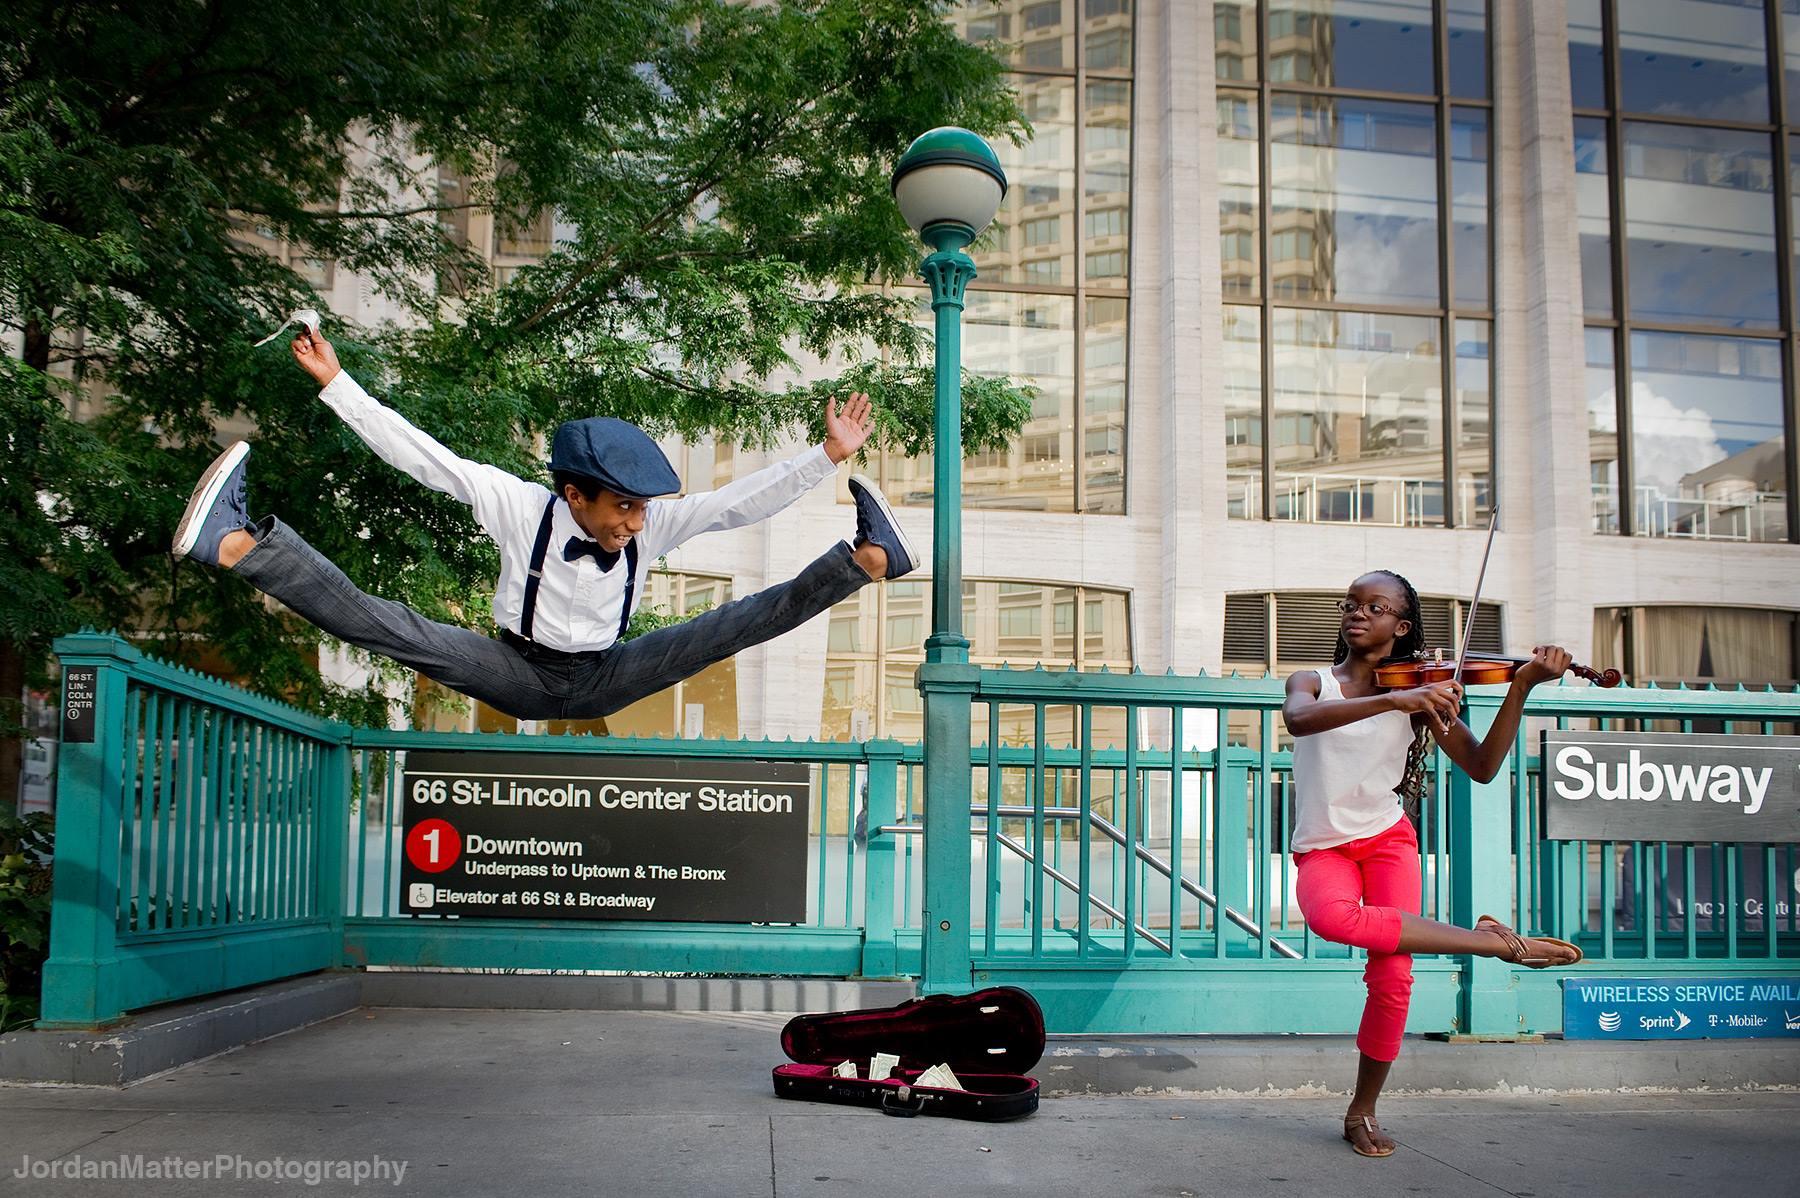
x: 621, y: 457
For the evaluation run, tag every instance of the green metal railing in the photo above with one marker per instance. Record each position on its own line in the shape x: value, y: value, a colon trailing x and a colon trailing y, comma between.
x: 1216, y: 822
x: 210, y: 839
x: 194, y: 852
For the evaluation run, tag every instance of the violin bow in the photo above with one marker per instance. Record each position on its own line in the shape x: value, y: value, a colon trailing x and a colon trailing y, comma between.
x: 1462, y: 652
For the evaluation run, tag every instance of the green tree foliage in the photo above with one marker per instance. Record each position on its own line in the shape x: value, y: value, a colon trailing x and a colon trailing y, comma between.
x: 724, y: 167
x: 25, y: 851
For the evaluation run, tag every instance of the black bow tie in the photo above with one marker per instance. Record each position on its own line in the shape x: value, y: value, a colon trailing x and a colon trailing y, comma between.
x: 578, y: 546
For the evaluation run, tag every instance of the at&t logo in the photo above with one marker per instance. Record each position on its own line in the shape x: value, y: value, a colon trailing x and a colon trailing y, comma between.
x: 1609, y: 1021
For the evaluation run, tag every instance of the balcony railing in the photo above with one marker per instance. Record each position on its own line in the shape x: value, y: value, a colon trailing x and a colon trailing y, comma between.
x: 1388, y: 500
x: 1746, y: 516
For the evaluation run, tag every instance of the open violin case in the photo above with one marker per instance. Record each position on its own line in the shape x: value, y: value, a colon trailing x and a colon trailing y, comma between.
x: 989, y: 1039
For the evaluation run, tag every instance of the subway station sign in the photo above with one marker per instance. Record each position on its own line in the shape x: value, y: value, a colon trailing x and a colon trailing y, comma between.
x: 1684, y: 1008
x: 1679, y: 786
x: 580, y: 836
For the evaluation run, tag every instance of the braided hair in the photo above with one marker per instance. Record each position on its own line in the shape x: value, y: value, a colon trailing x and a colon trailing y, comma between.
x: 1407, y: 647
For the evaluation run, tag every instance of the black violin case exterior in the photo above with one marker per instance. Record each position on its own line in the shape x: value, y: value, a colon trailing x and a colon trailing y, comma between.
x: 989, y: 1039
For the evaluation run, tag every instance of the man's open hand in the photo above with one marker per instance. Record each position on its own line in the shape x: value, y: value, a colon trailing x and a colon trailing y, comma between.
x: 846, y: 428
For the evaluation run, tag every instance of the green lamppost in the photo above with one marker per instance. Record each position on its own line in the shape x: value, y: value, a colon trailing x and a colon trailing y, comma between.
x: 949, y: 186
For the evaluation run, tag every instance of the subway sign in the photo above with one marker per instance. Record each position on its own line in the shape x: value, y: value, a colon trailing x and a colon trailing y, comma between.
x: 1677, y: 786
x: 505, y: 835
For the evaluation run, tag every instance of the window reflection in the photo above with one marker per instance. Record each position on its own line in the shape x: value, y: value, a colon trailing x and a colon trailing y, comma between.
x: 1384, y: 46
x: 1243, y: 412
x: 1593, y: 216
x: 1587, y: 54
x: 1103, y: 400
x: 1603, y: 428
x: 1708, y: 457
x: 1030, y: 338
x: 1699, y: 58
x: 1469, y: 206
x: 1064, y: 232
x: 877, y: 640
x: 1106, y: 176
x: 1474, y: 415
x: 1234, y: 39
x: 1700, y: 225
x: 1467, y: 25
x: 1239, y: 197
x: 1106, y: 35
x: 1794, y: 200
x: 1354, y: 191
x: 1351, y: 417
x: 1034, y: 237
x: 1358, y: 402
x: 1790, y: 48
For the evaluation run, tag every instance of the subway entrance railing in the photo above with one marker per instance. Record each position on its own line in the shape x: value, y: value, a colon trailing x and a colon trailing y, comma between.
x: 1128, y: 863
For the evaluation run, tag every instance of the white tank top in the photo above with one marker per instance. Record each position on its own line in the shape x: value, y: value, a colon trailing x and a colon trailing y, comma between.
x: 1344, y: 778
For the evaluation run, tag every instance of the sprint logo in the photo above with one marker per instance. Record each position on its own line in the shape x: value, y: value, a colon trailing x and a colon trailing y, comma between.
x: 1609, y: 1021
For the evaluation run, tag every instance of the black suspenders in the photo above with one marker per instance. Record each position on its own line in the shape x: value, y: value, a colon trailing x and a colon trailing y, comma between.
x: 541, y: 546
x: 536, y: 572
x: 630, y: 585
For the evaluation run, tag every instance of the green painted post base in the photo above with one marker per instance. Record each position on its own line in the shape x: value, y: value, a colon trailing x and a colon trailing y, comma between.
x: 949, y: 858
x: 879, y: 959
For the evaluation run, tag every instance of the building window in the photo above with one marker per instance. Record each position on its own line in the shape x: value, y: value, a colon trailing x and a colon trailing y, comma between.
x: 1043, y: 300
x: 1670, y: 645
x: 1044, y: 15
x: 319, y: 273
x: 1282, y: 631
x: 1110, y: 265
x: 1108, y: 222
x: 1676, y: 139
x: 877, y: 640
x: 1356, y: 247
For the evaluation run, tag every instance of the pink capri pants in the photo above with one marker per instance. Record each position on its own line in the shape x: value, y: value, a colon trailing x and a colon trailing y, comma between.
x: 1355, y: 894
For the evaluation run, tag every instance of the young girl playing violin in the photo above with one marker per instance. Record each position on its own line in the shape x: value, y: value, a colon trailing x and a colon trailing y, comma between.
x: 1356, y: 852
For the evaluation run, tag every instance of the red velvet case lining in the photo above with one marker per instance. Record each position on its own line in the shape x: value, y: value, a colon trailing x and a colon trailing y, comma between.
x: 995, y: 1034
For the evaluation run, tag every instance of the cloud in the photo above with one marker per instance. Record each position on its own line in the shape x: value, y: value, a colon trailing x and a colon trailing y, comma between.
x: 1669, y: 442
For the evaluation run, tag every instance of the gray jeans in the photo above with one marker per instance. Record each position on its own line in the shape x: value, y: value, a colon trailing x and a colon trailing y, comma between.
x: 532, y: 682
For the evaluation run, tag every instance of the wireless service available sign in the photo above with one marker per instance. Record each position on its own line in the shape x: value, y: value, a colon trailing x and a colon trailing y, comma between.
x: 1680, y: 786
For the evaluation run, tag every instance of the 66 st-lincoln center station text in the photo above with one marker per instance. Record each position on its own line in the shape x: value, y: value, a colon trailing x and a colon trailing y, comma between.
x: 607, y: 796
x: 628, y: 837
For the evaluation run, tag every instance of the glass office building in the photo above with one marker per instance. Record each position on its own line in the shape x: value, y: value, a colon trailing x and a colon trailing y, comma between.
x: 1311, y: 287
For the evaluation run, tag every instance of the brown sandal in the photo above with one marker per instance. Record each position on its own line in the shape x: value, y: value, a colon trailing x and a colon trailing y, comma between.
x: 1367, y: 1125
x: 1516, y: 952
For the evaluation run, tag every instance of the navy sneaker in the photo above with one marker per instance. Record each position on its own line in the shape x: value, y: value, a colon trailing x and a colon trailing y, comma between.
x: 875, y: 522
x: 216, y: 507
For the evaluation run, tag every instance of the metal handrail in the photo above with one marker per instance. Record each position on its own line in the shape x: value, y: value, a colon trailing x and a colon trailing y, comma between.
x: 1112, y: 833
x: 1106, y: 907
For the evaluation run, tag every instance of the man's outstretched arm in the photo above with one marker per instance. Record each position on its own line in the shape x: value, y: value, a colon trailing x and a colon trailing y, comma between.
x: 499, y: 499
x: 762, y: 494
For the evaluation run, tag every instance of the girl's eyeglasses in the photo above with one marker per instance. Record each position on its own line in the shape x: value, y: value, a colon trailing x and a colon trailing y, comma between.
x: 1377, y: 609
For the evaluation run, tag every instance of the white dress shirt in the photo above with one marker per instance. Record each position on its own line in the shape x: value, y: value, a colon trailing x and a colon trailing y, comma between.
x: 579, y: 606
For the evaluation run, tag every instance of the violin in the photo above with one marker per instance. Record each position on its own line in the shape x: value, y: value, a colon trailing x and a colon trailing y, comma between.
x: 1476, y: 670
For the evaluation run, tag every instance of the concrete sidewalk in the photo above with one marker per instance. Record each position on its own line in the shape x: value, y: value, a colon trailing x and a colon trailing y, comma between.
x: 631, y: 1103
